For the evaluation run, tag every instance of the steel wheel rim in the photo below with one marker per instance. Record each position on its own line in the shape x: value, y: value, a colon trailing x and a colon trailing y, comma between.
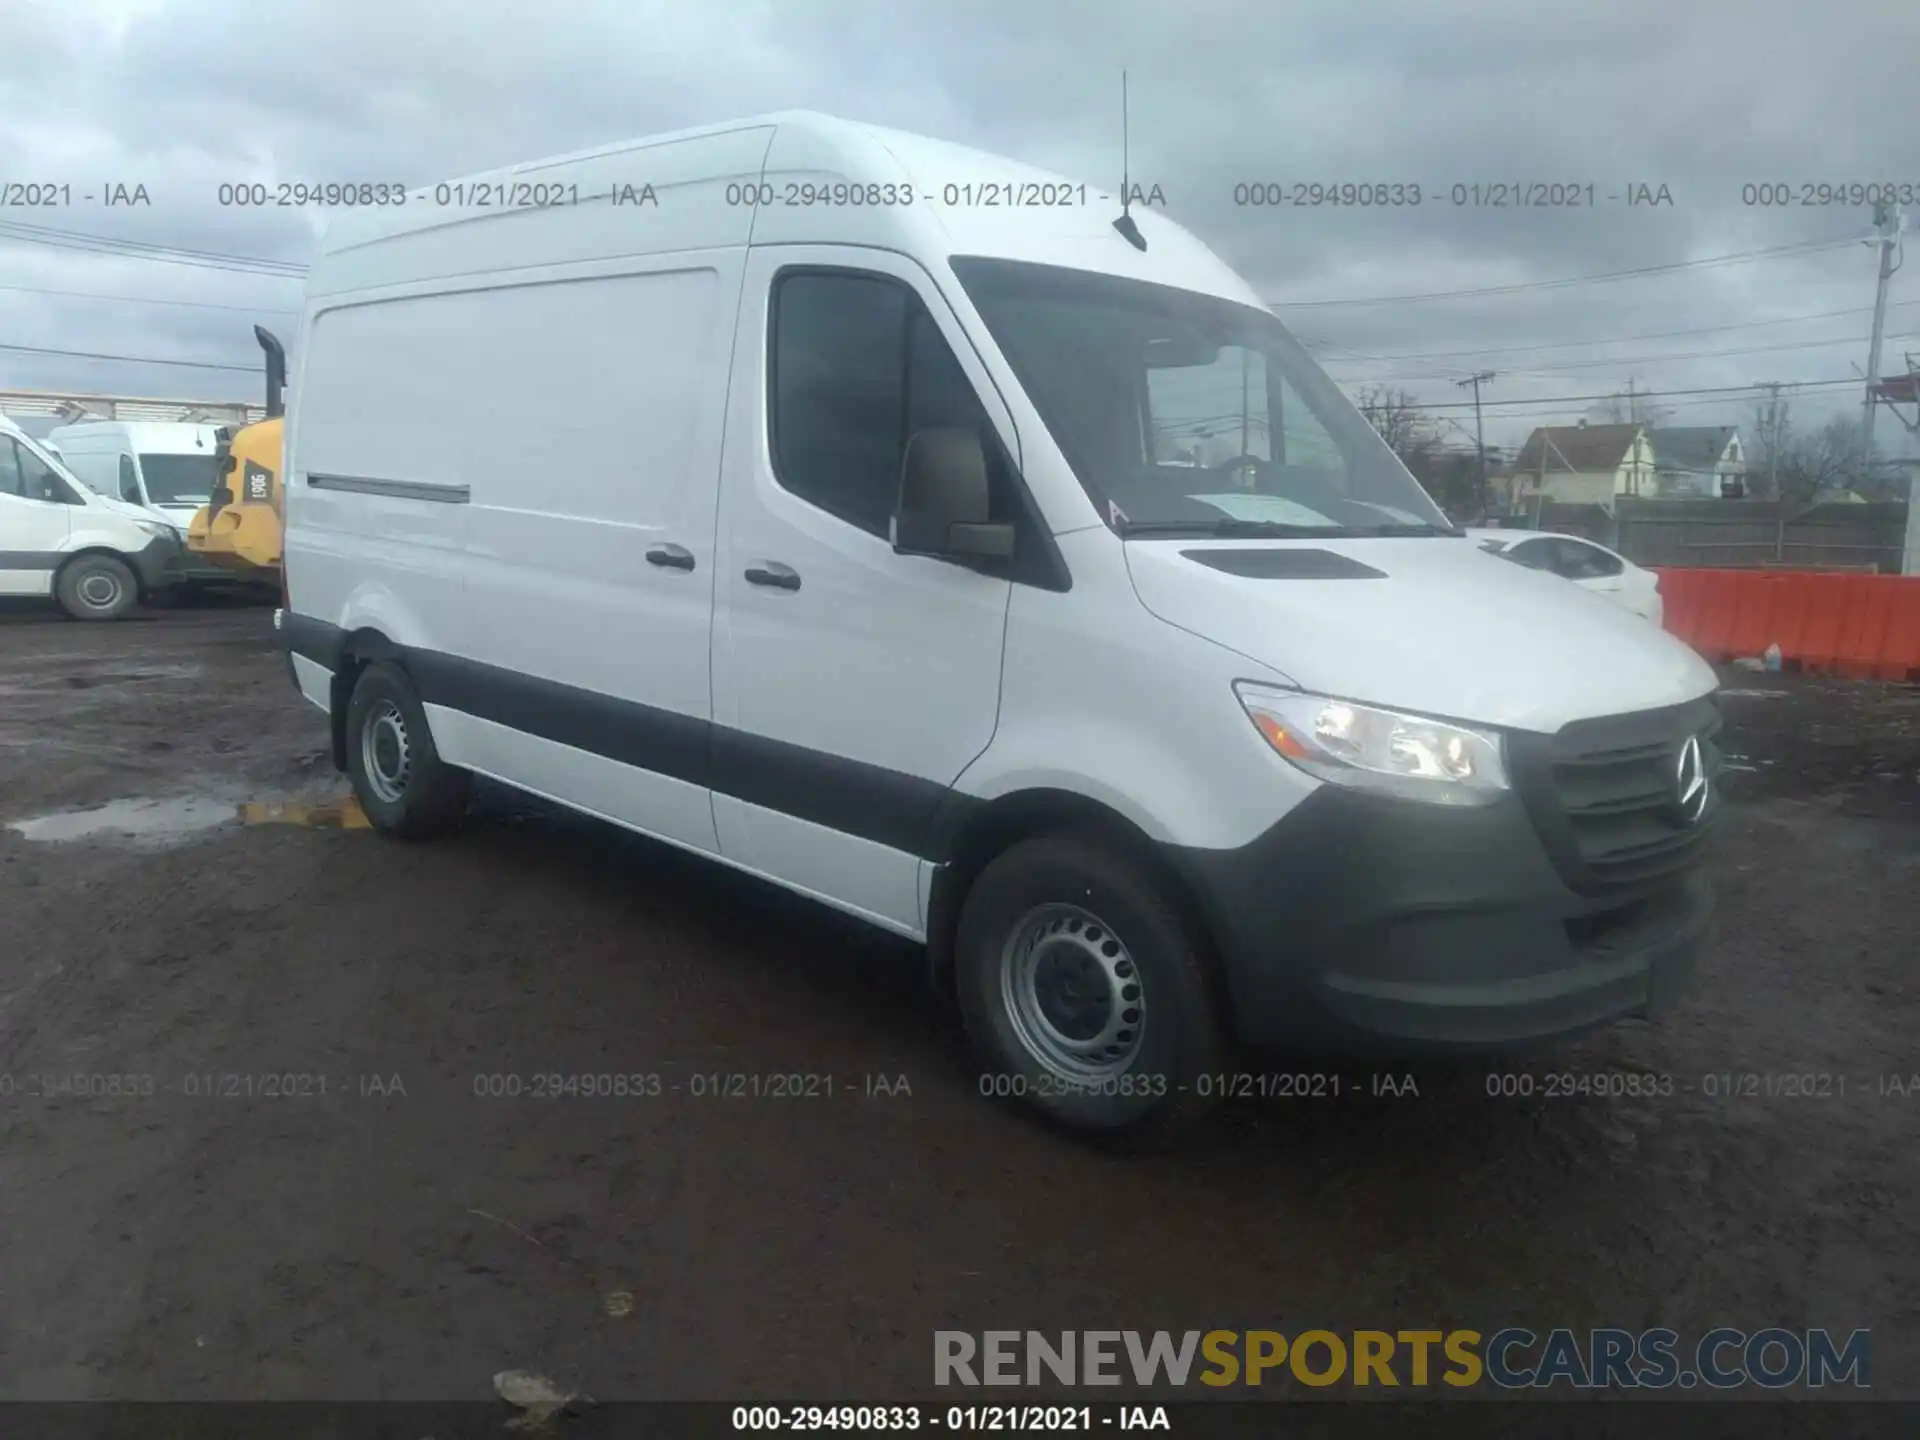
x: 99, y: 589
x: 385, y: 755
x: 1072, y: 991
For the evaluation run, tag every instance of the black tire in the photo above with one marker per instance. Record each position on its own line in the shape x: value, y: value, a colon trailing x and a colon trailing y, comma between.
x: 408, y: 792
x: 96, y: 587
x: 1160, y: 1093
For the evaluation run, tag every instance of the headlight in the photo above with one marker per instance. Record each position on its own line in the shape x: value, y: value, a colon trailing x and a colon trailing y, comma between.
x: 159, y: 529
x: 1372, y: 749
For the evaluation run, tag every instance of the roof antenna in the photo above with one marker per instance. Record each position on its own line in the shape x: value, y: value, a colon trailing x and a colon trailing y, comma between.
x: 1125, y: 223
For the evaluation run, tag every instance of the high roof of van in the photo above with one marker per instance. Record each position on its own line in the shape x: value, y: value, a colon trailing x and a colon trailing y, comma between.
x: 792, y: 178
x: 146, y: 437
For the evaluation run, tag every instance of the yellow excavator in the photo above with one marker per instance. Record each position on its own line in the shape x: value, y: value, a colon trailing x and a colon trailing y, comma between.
x: 238, y: 529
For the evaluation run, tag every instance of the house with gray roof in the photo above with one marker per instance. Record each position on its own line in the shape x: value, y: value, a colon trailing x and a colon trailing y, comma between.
x: 1697, y: 461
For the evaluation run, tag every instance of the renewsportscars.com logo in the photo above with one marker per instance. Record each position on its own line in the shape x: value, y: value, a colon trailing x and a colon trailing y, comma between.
x: 1511, y: 1358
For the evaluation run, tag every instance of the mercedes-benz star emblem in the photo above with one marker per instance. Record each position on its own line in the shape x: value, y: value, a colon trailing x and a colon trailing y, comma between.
x: 1690, y: 782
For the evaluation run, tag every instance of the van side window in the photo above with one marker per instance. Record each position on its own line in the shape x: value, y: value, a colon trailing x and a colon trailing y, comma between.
x: 10, y: 467
x: 38, y: 480
x: 858, y: 366
x: 839, y: 391
x: 129, y: 481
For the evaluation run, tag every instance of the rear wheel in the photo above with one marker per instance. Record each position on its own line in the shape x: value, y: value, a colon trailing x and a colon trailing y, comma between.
x: 96, y: 587
x: 398, y: 776
x: 1086, y: 992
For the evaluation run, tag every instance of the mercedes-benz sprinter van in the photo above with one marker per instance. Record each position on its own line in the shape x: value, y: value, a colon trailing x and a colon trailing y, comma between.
x: 908, y: 533
x: 167, y: 467
x: 95, y: 556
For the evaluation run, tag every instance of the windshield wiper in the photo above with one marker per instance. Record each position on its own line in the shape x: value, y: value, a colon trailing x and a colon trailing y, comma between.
x: 1269, y: 528
x: 1276, y: 530
x: 1369, y: 531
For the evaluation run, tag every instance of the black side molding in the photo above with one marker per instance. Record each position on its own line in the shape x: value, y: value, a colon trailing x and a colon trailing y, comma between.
x: 312, y: 639
x: 394, y: 489
x: 854, y: 797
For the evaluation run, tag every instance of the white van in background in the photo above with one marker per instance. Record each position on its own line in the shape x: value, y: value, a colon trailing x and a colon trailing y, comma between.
x: 169, y: 468
x: 93, y: 554
x: 866, y: 551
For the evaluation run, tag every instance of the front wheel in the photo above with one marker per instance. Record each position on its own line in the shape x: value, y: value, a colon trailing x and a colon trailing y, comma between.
x: 398, y: 776
x: 96, y: 587
x: 1086, y: 992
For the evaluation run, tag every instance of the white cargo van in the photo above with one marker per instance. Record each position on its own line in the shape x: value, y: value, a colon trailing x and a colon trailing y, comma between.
x: 866, y: 550
x: 93, y: 554
x: 166, y: 467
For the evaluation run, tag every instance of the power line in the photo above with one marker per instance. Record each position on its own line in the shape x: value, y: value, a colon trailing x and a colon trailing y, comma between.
x: 148, y: 246
x: 1804, y: 248
x: 1645, y: 395
x: 133, y: 359
x: 1602, y: 364
x: 1602, y: 340
x: 142, y: 250
x: 151, y: 300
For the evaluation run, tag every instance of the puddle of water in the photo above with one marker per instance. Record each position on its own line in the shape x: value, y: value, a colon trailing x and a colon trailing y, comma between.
x: 134, y: 819
x: 177, y: 819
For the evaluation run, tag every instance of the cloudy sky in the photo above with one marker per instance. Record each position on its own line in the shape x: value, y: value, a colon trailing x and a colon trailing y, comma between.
x: 182, y: 96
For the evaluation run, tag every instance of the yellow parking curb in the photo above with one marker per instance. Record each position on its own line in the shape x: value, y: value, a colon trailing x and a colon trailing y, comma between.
x: 344, y: 814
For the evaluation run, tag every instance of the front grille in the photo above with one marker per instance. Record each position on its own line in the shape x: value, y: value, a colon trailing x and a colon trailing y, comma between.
x: 1603, y: 795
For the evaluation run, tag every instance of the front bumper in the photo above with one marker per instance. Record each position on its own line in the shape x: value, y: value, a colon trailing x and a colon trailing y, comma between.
x: 1361, y: 924
x: 191, y: 568
x: 155, y: 563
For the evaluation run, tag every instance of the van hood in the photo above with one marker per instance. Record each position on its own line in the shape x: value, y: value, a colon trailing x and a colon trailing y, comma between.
x: 1430, y: 624
x: 121, y: 507
x: 180, y: 516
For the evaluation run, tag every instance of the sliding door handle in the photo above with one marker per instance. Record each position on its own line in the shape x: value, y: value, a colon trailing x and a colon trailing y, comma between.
x: 671, y: 557
x: 773, y: 574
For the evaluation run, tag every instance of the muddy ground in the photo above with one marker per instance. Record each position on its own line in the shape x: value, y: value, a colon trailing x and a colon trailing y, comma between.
x: 403, y: 1236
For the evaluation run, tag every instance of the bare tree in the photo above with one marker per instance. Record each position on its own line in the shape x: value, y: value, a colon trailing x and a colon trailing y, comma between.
x: 1629, y: 407
x: 1447, y: 473
x: 1408, y: 431
x: 1831, y: 458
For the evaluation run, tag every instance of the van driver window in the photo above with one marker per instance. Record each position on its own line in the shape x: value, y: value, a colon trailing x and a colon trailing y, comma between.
x: 39, y: 482
x: 129, y: 481
x: 9, y: 467
x: 858, y: 366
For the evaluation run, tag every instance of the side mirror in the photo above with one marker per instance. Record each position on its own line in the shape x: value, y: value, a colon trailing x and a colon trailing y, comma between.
x: 944, y: 504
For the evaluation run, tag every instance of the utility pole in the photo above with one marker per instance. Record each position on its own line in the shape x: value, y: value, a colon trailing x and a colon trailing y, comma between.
x: 1244, y: 440
x: 1479, y: 433
x: 1633, y: 418
x: 1887, y: 224
x: 1770, y: 430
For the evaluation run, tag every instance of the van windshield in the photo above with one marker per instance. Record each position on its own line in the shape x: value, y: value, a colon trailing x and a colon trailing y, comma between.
x: 1185, y: 414
x: 179, y: 479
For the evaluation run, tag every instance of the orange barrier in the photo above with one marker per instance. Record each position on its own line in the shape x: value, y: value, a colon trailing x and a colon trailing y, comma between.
x: 1864, y: 626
